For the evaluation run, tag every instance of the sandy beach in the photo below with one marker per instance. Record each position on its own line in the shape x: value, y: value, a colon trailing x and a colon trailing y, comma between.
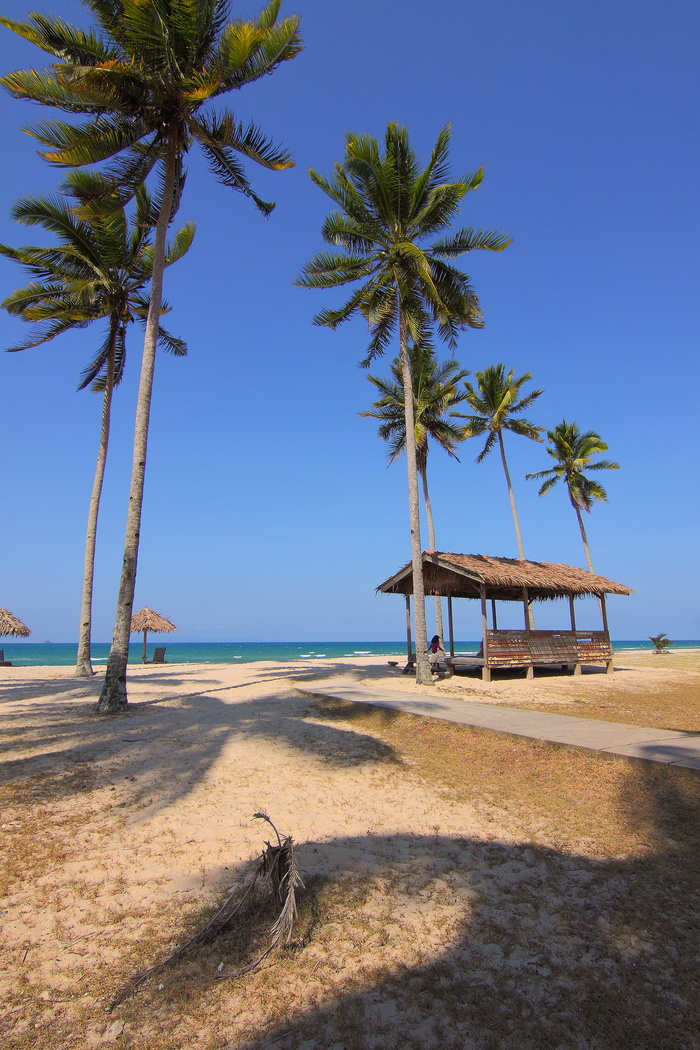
x: 430, y: 918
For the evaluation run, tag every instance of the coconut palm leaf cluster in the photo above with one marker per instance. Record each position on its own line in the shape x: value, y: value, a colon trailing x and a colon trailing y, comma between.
x: 573, y: 452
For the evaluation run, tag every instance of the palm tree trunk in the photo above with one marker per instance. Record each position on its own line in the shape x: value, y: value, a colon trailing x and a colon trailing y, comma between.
x: 516, y: 520
x: 431, y: 541
x: 584, y: 537
x: 423, y: 675
x: 113, y: 697
x: 83, y: 666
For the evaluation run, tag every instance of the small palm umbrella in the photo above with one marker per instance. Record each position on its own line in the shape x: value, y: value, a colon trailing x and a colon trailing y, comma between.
x: 9, y: 624
x: 147, y: 620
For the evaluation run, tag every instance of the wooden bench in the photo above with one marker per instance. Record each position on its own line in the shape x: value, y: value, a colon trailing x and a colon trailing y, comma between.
x: 530, y: 649
x: 463, y: 661
x: 3, y: 661
x: 159, y: 655
x: 594, y: 648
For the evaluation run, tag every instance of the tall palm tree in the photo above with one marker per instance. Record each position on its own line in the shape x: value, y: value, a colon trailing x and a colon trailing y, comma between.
x: 99, y: 271
x: 145, y: 78
x: 496, y: 403
x: 573, y: 452
x: 435, y: 395
x: 387, y: 207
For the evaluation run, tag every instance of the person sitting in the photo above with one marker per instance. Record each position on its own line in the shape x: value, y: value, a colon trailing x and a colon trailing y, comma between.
x: 436, y: 654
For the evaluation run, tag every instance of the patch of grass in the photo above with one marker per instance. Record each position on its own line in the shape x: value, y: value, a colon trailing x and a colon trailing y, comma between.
x: 33, y: 839
x: 663, y: 706
x: 561, y: 796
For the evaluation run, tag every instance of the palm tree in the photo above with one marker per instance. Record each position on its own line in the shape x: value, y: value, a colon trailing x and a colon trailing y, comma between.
x: 496, y: 402
x: 388, y: 206
x: 144, y: 78
x: 99, y: 270
x: 435, y: 395
x: 573, y: 452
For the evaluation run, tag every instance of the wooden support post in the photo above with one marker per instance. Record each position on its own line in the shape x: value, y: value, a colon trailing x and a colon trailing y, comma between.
x: 604, y: 613
x: 572, y: 612
x: 451, y: 625
x: 494, y: 621
x: 527, y: 610
x: 486, y: 670
x: 530, y: 673
x: 143, y: 654
x: 409, y: 642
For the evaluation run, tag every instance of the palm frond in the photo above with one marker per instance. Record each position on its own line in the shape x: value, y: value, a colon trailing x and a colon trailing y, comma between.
x: 332, y: 318
x: 224, y: 132
x: 468, y: 240
x: 175, y: 346
x: 330, y: 269
x: 73, y: 145
x: 250, y: 50
x: 64, y: 41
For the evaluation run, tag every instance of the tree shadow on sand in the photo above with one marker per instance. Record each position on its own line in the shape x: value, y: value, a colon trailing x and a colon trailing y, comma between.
x: 166, y: 745
x: 446, y: 942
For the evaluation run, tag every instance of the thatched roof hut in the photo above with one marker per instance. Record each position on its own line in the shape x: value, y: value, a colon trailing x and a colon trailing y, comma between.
x: 464, y: 575
x: 9, y: 624
x: 485, y: 577
x: 148, y: 620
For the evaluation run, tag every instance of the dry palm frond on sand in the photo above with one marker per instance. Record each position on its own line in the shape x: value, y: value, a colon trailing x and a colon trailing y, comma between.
x: 279, y: 877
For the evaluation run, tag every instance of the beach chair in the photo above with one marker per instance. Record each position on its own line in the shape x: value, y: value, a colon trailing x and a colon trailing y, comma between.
x: 159, y: 655
x: 3, y: 661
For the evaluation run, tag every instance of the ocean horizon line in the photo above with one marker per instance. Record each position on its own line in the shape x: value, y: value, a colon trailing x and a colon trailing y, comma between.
x: 46, y: 654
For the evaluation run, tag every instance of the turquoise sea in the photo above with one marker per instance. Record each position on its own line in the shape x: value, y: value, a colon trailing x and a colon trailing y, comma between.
x: 44, y: 654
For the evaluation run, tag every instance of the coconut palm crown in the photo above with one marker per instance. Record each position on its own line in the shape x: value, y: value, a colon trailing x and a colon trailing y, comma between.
x: 100, y: 269
x: 573, y: 452
x: 388, y: 207
x: 496, y: 403
x: 144, y: 78
x: 144, y: 81
x: 435, y: 396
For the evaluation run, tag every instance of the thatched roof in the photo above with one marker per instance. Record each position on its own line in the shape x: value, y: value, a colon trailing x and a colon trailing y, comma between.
x: 9, y: 624
x: 148, y: 620
x: 461, y: 576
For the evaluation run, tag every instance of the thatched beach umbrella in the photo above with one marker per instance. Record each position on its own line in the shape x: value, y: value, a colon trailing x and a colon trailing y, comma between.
x: 147, y: 620
x: 9, y: 624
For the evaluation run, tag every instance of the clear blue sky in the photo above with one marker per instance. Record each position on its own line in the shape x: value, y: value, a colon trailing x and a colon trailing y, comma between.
x: 270, y: 513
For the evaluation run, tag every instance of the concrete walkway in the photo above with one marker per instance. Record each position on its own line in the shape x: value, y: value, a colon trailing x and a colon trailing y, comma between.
x: 634, y: 743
